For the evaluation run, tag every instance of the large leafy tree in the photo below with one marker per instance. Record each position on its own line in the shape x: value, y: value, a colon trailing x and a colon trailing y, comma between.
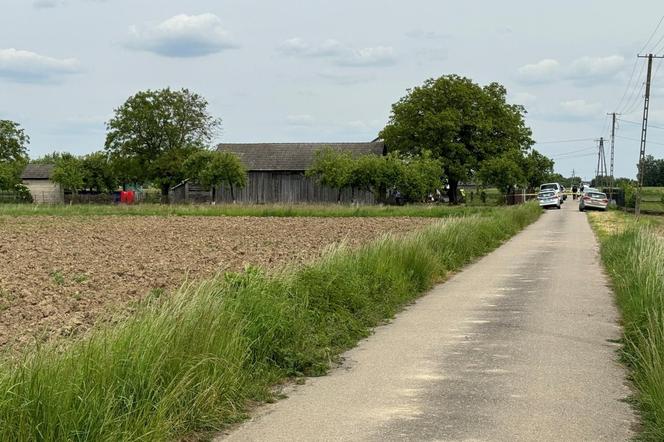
x: 460, y: 122
x: 158, y: 130
x: 214, y: 168
x: 13, y: 153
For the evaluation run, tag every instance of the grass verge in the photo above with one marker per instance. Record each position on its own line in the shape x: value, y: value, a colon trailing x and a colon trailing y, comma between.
x: 317, y: 210
x: 633, y: 254
x: 191, y: 363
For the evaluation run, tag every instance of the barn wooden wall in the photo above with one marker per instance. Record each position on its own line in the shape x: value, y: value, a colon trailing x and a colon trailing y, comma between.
x: 274, y: 187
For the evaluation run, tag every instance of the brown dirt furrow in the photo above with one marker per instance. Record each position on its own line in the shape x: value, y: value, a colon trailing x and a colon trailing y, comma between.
x: 60, y: 275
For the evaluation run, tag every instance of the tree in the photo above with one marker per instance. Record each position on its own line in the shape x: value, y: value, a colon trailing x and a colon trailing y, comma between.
x: 537, y: 169
x: 460, y: 122
x: 13, y: 153
x: 214, y: 168
x: 69, y: 172
x: 420, y: 177
x: 332, y: 168
x: 159, y: 130
x: 653, y: 172
x: 505, y: 171
x: 98, y: 172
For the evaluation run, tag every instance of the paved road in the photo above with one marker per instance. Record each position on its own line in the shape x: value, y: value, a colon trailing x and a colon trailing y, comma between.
x: 518, y: 346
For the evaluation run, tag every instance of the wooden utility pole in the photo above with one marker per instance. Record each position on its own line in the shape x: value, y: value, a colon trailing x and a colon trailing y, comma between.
x: 644, y: 131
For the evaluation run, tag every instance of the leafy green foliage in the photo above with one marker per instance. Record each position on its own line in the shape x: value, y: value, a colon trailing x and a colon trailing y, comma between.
x: 13, y: 153
x: 506, y: 171
x: 158, y: 130
x: 98, y: 173
x: 413, y: 176
x: 332, y: 168
x: 418, y: 176
x: 653, y: 172
x: 213, y: 168
x: 69, y: 172
x: 460, y: 122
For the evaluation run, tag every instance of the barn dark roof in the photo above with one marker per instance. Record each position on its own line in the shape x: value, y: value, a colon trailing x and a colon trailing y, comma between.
x: 37, y: 171
x: 292, y: 156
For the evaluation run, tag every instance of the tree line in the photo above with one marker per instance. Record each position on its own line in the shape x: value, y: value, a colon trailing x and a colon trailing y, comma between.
x: 157, y: 137
x: 447, y: 131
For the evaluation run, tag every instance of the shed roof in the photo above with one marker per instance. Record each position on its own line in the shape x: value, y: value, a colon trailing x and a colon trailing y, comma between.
x: 292, y: 156
x: 38, y: 172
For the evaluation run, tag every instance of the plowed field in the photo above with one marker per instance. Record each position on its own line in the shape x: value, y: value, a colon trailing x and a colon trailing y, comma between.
x: 60, y: 275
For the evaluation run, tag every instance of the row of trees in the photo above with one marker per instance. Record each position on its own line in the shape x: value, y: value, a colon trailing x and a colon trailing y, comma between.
x: 412, y: 178
x: 453, y: 130
x: 653, y: 171
x: 158, y: 137
x: 449, y: 128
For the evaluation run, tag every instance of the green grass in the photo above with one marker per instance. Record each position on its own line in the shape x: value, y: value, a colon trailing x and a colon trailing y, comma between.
x: 190, y: 363
x: 329, y: 210
x: 634, y: 259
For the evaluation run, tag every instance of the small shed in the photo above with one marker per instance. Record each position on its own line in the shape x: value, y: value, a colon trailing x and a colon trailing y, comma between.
x: 37, y: 178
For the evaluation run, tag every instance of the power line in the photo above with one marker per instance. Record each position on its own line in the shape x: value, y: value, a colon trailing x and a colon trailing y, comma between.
x: 580, y: 155
x: 575, y: 140
x: 652, y: 35
x: 650, y: 126
x: 575, y: 151
x: 637, y: 140
x: 633, y: 101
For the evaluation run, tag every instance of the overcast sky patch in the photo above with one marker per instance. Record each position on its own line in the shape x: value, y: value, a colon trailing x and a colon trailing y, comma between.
x: 47, y: 4
x: 183, y: 36
x: 543, y: 71
x: 28, y: 67
x: 339, y: 53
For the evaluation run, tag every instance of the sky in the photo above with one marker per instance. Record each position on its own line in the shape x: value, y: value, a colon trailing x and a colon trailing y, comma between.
x: 318, y: 70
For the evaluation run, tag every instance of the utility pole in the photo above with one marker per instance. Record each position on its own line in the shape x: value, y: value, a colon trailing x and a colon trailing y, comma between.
x: 613, y: 146
x: 644, y: 131
x: 601, y: 164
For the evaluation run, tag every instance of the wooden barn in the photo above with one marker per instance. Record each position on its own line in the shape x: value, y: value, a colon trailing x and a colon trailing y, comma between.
x: 276, y: 174
x: 37, y: 177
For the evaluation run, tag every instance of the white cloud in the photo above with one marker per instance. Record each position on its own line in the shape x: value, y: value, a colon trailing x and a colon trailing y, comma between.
x: 29, y: 67
x: 595, y: 68
x: 45, y: 4
x: 339, y: 53
x: 541, y: 72
x: 183, y: 36
x: 580, y: 109
x: 523, y: 98
x: 583, y: 70
x: 300, y: 120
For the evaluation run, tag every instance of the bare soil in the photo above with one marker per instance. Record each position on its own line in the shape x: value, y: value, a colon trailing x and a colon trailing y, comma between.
x: 58, y: 276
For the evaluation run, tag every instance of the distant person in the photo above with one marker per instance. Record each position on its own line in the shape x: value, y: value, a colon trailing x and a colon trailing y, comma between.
x: 575, y: 189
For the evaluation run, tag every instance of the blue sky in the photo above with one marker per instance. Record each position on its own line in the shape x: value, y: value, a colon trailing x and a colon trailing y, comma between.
x: 329, y: 70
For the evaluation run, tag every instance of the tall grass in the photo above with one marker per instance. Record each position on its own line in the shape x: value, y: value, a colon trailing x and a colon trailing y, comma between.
x: 190, y: 363
x: 635, y: 262
x: 276, y: 210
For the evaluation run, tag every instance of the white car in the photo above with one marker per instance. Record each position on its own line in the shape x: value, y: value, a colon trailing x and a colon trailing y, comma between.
x: 548, y: 198
x: 555, y: 188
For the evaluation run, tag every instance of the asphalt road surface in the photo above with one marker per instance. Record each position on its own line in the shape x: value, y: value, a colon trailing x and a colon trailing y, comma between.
x: 518, y: 346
